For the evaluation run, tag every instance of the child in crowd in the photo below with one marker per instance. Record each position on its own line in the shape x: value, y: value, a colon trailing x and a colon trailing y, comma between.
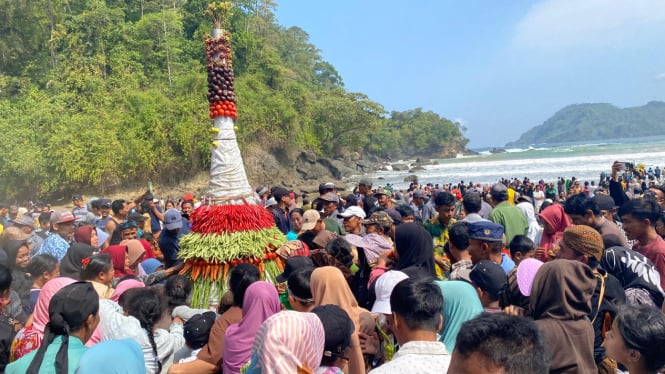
x: 41, y: 268
x: 338, y: 328
x: 197, y: 332
x: 521, y: 248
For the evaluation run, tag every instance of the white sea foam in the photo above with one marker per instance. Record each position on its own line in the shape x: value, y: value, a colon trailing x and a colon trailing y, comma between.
x: 584, y: 161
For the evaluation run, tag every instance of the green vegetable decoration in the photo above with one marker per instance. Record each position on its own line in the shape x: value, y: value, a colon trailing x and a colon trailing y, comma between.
x: 231, y: 228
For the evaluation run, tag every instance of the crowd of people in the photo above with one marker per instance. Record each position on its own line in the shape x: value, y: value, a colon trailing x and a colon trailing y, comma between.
x: 512, y: 277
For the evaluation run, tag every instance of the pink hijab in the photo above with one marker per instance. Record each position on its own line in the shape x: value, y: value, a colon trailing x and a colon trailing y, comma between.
x: 278, y: 352
x: 557, y: 218
x: 261, y: 301
x: 40, y: 316
x: 124, y: 286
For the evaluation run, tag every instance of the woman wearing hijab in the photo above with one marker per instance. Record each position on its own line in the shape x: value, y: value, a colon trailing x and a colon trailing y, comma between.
x: 555, y: 221
x: 71, y: 264
x: 461, y: 303
x: 261, y: 301
x: 30, y: 337
x: 18, y: 257
x: 152, y: 265
x: 135, y: 254
x: 120, y: 260
x: 102, y: 358
x: 275, y: 351
x: 560, y: 302
x: 87, y: 235
x: 535, y: 231
x: 73, y: 316
x: 415, y: 250
x: 328, y: 287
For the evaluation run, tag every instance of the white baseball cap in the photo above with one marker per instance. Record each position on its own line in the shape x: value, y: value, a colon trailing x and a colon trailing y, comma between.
x: 383, y: 288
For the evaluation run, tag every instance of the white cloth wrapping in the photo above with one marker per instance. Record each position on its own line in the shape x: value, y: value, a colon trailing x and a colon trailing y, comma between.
x: 227, y: 171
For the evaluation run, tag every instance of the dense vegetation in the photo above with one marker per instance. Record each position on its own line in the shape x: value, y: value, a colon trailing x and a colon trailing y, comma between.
x: 95, y: 93
x: 584, y: 122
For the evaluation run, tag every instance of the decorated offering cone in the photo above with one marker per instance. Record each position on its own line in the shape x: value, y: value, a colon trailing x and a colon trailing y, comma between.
x: 231, y: 228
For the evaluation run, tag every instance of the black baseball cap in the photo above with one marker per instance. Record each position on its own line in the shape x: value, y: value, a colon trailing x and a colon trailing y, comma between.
x: 294, y: 264
x: 489, y: 277
x: 197, y: 329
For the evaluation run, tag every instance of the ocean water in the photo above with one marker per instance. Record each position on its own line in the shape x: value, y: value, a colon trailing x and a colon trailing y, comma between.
x: 585, y: 161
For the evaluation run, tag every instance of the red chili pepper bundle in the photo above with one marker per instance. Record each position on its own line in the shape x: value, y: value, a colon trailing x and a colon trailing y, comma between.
x: 230, y: 218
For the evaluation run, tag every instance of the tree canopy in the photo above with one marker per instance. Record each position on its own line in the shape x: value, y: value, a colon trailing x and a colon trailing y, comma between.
x: 95, y: 93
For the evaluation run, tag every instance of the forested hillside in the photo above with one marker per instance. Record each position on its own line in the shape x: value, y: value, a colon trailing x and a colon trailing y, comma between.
x: 582, y: 122
x: 95, y: 93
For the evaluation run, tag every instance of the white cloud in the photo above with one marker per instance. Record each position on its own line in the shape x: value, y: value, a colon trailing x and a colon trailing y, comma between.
x: 556, y: 24
x: 660, y: 76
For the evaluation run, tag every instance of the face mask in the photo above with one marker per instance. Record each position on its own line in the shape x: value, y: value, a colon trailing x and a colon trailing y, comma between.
x: 139, y: 233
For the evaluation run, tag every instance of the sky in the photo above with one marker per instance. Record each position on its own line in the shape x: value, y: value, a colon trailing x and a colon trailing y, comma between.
x: 497, y: 67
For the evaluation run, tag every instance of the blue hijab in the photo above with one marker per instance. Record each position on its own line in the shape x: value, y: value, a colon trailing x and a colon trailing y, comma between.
x: 150, y: 265
x: 460, y: 304
x: 113, y: 357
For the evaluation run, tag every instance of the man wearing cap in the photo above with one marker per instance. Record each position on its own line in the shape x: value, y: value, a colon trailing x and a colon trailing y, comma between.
x: 294, y: 264
x: 281, y: 213
x: 585, y: 244
x: 62, y: 228
x: 352, y: 219
x: 168, y: 241
x: 26, y: 224
x: 512, y: 219
x: 382, y: 224
x: 139, y: 220
x: 330, y: 207
x: 368, y: 200
x: 486, y: 243
x: 420, y: 207
x: 583, y: 210
x: 128, y: 231
x: 263, y: 193
x: 489, y: 280
x: 312, y: 224
x: 105, y: 213
x: 384, y: 197
x: 80, y: 210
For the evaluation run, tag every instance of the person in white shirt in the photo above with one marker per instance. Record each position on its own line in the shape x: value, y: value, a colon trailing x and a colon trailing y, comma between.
x: 416, y: 318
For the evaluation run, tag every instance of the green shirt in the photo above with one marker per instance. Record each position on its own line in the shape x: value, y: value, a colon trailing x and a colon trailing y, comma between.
x: 511, y: 218
x: 75, y: 351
